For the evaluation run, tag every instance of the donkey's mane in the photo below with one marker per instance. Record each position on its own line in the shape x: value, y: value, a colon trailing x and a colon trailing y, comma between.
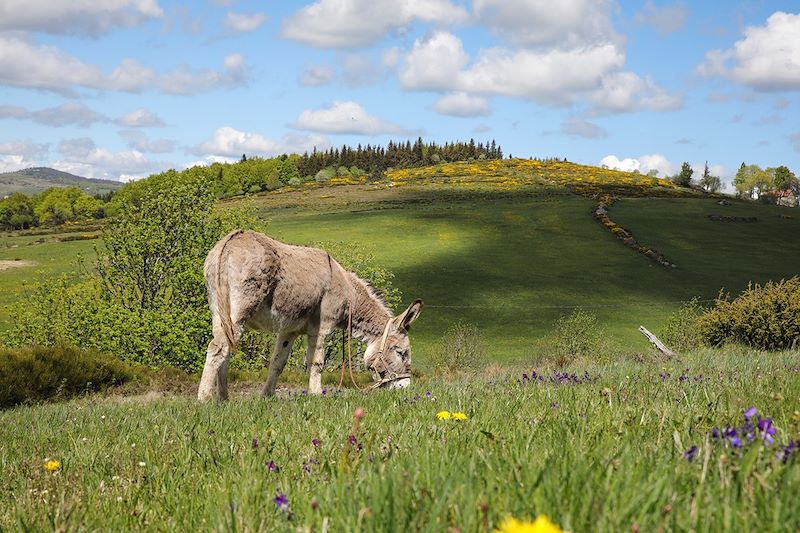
x: 370, y: 309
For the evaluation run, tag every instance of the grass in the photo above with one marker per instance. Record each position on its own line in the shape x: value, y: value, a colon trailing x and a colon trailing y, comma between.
x: 603, y: 455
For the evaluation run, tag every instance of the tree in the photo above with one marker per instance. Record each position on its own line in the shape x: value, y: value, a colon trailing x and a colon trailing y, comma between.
x: 708, y: 182
x: 684, y: 177
x: 784, y: 179
x: 750, y: 181
x: 16, y: 212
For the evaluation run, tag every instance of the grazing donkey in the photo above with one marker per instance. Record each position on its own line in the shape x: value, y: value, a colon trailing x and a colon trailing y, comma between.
x: 257, y: 282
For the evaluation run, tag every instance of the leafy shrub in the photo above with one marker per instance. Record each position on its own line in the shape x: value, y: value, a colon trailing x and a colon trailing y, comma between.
x: 765, y: 317
x: 460, y: 349
x: 682, y: 331
x: 576, y: 335
x: 38, y: 373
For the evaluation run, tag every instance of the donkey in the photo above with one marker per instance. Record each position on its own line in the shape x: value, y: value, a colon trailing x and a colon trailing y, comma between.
x: 257, y: 282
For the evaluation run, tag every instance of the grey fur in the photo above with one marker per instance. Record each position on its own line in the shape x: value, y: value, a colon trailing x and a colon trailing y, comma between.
x: 257, y: 282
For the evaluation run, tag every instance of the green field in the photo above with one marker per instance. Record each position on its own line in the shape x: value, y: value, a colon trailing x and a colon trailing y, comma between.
x: 510, y: 262
x: 605, y: 454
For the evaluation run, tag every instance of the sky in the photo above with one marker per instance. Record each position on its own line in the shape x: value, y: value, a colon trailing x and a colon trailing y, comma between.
x: 120, y: 89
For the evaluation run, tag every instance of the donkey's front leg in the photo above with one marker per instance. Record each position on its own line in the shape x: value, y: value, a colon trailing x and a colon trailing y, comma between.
x: 316, y: 357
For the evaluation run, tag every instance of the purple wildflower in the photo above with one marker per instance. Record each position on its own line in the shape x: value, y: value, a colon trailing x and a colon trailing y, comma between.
x: 690, y: 453
x: 324, y: 392
x: 428, y: 394
x: 750, y: 413
x: 787, y: 450
x: 315, y: 441
x: 715, y: 432
x: 271, y: 466
x: 352, y: 440
x: 768, y: 430
x: 281, y: 501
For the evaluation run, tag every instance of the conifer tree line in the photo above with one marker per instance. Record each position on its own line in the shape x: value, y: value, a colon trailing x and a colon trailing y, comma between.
x: 376, y: 159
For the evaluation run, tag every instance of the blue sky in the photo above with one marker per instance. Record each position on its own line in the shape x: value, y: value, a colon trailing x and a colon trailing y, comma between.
x: 123, y: 88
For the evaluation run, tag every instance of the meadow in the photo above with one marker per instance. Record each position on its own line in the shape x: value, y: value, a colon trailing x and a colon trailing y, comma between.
x: 627, y: 446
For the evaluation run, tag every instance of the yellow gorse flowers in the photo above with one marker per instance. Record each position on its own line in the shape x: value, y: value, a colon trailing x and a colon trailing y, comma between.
x: 542, y: 524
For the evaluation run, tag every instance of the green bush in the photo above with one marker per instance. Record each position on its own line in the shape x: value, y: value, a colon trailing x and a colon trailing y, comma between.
x: 460, y: 349
x: 765, y: 317
x: 682, y: 331
x: 576, y: 335
x: 35, y: 374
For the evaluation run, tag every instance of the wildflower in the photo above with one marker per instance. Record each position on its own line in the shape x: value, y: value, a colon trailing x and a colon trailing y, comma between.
x: 142, y: 463
x: 768, y: 430
x: 690, y: 453
x: 315, y: 442
x: 459, y: 416
x: 281, y: 501
x: 271, y: 466
x: 750, y: 413
x: 443, y: 415
x: 52, y: 465
x: 542, y: 524
x: 352, y: 440
x: 359, y: 413
x: 254, y: 444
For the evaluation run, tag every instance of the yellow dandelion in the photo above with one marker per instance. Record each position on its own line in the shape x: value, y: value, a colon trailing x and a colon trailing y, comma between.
x: 443, y: 415
x: 459, y: 416
x: 52, y: 465
x: 542, y: 524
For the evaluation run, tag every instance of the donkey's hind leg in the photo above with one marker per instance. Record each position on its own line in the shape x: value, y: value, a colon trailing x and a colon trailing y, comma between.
x: 214, y: 380
x: 283, y: 348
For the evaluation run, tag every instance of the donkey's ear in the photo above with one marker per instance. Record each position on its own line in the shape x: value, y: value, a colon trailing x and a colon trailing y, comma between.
x: 405, y: 320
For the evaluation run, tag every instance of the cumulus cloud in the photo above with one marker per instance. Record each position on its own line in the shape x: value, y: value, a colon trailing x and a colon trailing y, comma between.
x: 643, y: 164
x: 462, y: 105
x: 552, y: 76
x: 353, y: 23
x: 244, y: 22
x: 140, y: 118
x: 767, y: 59
x: 626, y: 91
x: 76, y: 17
x: 83, y: 157
x: 568, y: 23
x: 228, y: 142
x: 316, y: 76
x: 137, y: 140
x: 576, y: 127
x: 34, y: 66
x: 344, y: 118
x: 665, y: 20
x: 26, y: 149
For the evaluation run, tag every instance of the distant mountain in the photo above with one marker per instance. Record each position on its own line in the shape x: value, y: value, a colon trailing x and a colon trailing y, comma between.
x: 36, y: 179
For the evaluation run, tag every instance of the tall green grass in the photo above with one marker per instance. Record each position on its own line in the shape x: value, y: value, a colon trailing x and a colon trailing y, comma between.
x: 606, y: 454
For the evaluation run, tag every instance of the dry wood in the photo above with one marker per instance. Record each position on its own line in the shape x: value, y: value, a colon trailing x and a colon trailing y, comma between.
x: 657, y: 343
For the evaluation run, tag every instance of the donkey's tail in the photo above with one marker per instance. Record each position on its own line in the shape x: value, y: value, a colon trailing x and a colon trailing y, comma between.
x: 216, y: 271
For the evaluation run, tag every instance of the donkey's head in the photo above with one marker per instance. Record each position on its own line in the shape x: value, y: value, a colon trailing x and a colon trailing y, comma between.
x: 389, y: 356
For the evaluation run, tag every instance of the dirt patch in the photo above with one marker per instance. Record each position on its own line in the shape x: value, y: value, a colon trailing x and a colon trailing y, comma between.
x: 5, y: 265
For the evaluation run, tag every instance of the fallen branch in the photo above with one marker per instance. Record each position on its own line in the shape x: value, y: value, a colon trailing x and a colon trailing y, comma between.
x: 657, y: 343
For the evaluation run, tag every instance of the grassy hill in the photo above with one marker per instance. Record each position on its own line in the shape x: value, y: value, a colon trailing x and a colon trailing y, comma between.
x: 36, y: 179
x: 511, y: 246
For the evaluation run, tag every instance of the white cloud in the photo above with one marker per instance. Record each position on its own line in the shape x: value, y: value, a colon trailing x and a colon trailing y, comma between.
x: 93, y: 17
x: 353, y: 23
x: 344, y: 117
x: 69, y: 114
x: 84, y: 158
x: 13, y: 162
x: 434, y: 63
x: 570, y: 23
x: 228, y: 142
x: 665, y: 20
x: 576, y: 127
x: 140, y: 118
x: 390, y: 57
x: 137, y: 140
x: 626, y: 91
x: 316, y: 76
x: 462, y: 105
x: 26, y: 149
x: 643, y: 164
x: 243, y: 22
x: 359, y: 70
x: 34, y: 66
x: 185, y: 80
x: 767, y: 59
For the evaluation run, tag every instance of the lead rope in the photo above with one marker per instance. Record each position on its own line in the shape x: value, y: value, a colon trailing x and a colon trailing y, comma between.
x: 349, y: 353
